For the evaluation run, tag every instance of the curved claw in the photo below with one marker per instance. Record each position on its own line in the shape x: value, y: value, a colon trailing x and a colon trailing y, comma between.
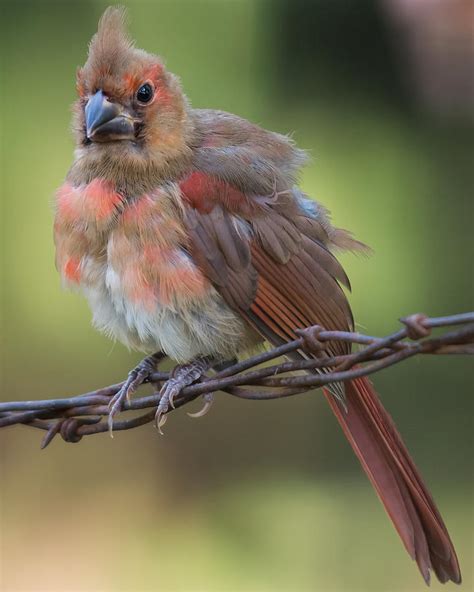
x: 182, y: 376
x: 169, y: 391
x: 116, y: 403
x: 172, y: 391
x: 208, y: 401
x: 160, y: 420
x: 166, y: 401
x: 136, y: 377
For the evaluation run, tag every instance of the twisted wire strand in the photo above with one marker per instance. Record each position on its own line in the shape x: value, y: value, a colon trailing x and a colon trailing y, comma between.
x: 83, y: 415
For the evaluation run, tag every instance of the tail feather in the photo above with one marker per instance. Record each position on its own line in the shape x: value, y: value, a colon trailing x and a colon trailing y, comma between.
x: 387, y: 462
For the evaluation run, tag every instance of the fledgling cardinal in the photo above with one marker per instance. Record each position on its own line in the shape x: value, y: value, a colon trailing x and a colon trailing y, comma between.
x: 185, y: 230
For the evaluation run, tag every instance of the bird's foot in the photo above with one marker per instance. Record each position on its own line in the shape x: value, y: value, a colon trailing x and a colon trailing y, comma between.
x: 136, y: 377
x: 181, y: 376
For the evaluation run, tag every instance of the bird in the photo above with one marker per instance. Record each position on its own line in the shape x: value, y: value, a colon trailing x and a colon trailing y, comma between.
x: 187, y: 232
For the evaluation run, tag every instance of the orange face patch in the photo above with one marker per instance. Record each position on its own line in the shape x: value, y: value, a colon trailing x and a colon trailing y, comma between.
x: 152, y: 74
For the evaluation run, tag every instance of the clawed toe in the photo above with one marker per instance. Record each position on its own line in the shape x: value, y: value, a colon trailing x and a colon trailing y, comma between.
x: 161, y: 417
x: 169, y: 391
x: 181, y: 376
x: 136, y: 377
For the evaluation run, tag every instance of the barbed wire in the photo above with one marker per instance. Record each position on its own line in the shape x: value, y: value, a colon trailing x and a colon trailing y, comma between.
x: 87, y: 414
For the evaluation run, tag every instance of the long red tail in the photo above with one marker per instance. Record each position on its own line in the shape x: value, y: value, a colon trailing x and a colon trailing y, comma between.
x: 385, y: 459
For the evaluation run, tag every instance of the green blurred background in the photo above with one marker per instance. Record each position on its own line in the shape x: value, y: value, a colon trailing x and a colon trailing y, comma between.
x: 255, y: 496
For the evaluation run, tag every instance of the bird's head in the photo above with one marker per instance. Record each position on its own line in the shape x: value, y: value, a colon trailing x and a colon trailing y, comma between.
x: 129, y: 105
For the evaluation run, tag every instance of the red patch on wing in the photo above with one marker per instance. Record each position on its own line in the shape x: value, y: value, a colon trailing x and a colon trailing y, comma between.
x: 203, y: 191
x: 72, y: 270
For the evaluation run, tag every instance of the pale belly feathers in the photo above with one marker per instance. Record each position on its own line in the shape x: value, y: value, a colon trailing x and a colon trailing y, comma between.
x: 142, y: 286
x: 209, y: 328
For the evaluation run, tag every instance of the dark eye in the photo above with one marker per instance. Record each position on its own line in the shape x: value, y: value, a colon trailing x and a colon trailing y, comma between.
x: 145, y: 93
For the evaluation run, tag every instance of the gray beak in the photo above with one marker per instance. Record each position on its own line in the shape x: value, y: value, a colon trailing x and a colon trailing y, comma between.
x: 107, y: 121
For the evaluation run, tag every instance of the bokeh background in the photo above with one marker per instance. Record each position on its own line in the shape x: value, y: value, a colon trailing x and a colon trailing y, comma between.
x: 255, y: 496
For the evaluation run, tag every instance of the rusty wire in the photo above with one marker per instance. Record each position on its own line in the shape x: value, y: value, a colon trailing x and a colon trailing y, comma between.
x: 87, y: 414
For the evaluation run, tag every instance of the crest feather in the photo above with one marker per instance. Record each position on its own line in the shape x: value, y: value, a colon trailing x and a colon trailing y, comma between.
x: 112, y: 42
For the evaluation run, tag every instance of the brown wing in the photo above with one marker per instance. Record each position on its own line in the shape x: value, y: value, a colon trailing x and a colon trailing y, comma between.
x: 267, y: 257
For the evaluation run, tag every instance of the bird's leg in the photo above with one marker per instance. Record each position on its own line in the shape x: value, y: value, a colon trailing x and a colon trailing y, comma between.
x: 181, y: 376
x: 135, y: 378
